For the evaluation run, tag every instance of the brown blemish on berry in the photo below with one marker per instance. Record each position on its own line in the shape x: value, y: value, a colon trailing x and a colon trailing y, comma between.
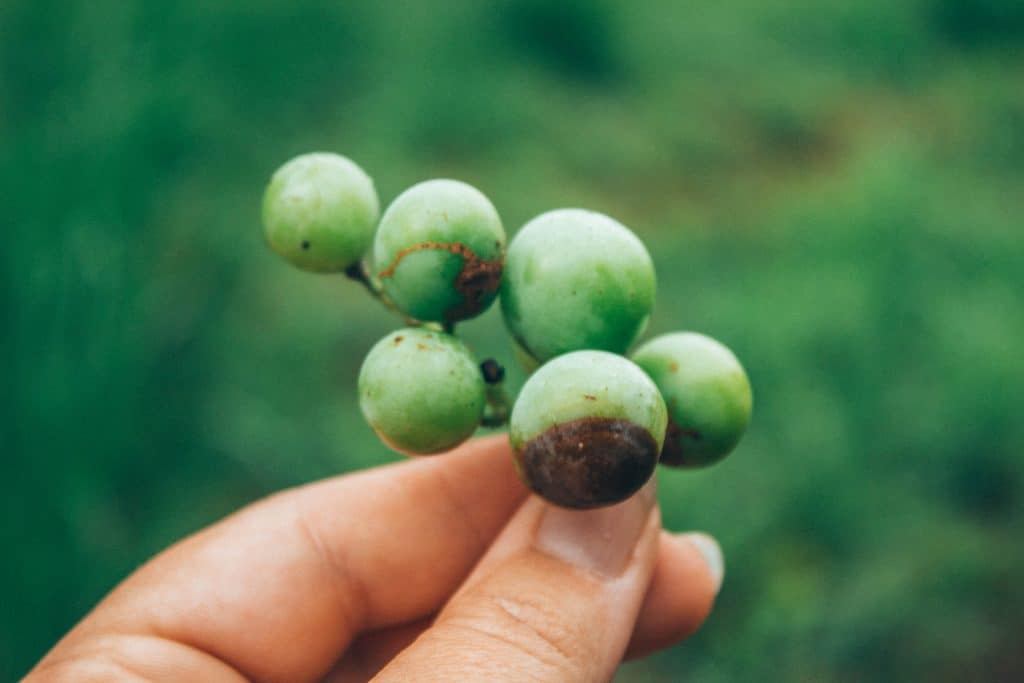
x: 676, y: 452
x: 590, y: 397
x: 398, y: 340
x: 589, y: 462
x: 421, y: 347
x: 673, y: 367
x: 477, y: 279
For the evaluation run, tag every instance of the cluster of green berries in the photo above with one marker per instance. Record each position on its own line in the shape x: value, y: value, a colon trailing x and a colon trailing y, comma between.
x: 576, y: 289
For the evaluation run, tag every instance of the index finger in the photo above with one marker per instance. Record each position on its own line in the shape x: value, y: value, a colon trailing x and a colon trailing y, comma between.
x: 279, y: 589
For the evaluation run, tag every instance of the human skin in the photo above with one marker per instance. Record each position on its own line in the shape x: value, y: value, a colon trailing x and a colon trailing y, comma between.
x: 433, y: 569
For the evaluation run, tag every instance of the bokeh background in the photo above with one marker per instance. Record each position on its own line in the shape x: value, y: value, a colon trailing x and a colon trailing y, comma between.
x: 833, y: 188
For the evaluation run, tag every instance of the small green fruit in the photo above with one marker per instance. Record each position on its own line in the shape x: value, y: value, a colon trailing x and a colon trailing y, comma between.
x: 576, y: 279
x: 320, y: 211
x: 707, y: 392
x: 587, y: 429
x: 528, y: 363
x: 421, y: 391
x: 440, y: 251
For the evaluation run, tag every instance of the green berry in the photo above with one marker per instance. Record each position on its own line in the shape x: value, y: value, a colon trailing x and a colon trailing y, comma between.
x: 707, y: 393
x: 587, y: 429
x: 439, y: 251
x: 320, y: 211
x: 528, y: 363
x: 576, y: 279
x: 421, y: 391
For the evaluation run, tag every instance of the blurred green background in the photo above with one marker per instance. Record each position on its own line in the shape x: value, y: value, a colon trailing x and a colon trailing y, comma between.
x: 835, y: 189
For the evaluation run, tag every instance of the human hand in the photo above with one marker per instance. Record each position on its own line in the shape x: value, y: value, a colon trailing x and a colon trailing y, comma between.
x: 432, y: 569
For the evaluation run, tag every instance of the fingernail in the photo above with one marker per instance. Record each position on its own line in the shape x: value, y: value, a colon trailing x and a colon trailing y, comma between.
x: 600, y: 540
x: 712, y: 553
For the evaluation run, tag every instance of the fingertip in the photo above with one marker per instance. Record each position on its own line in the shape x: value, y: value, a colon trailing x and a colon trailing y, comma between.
x: 711, y: 552
x: 687, y: 577
x: 555, y: 598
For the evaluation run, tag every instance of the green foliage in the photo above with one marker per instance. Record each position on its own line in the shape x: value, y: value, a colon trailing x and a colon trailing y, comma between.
x: 979, y: 22
x: 574, y: 38
x: 832, y: 189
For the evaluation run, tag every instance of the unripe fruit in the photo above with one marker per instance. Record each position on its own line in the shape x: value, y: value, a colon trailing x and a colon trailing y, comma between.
x: 528, y: 363
x: 707, y: 393
x: 440, y: 250
x: 421, y: 391
x: 320, y: 211
x: 587, y: 429
x: 576, y: 279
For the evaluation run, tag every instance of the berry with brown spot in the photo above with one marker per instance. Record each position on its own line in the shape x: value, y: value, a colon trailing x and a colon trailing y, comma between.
x: 707, y: 393
x: 439, y: 251
x: 587, y: 429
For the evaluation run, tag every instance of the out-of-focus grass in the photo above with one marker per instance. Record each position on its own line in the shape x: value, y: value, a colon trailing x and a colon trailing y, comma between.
x: 834, y: 189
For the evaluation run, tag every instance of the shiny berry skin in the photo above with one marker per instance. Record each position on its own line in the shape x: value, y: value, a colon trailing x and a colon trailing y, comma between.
x: 421, y: 391
x: 528, y: 363
x: 707, y: 393
x: 320, y: 211
x: 587, y: 429
x: 576, y: 279
x: 440, y: 251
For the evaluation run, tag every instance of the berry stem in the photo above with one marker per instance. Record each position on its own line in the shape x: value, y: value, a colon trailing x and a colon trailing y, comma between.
x: 497, y: 411
x: 359, y: 272
x: 498, y: 405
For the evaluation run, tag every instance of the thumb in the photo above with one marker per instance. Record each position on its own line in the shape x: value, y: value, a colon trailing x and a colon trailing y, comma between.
x: 555, y: 599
